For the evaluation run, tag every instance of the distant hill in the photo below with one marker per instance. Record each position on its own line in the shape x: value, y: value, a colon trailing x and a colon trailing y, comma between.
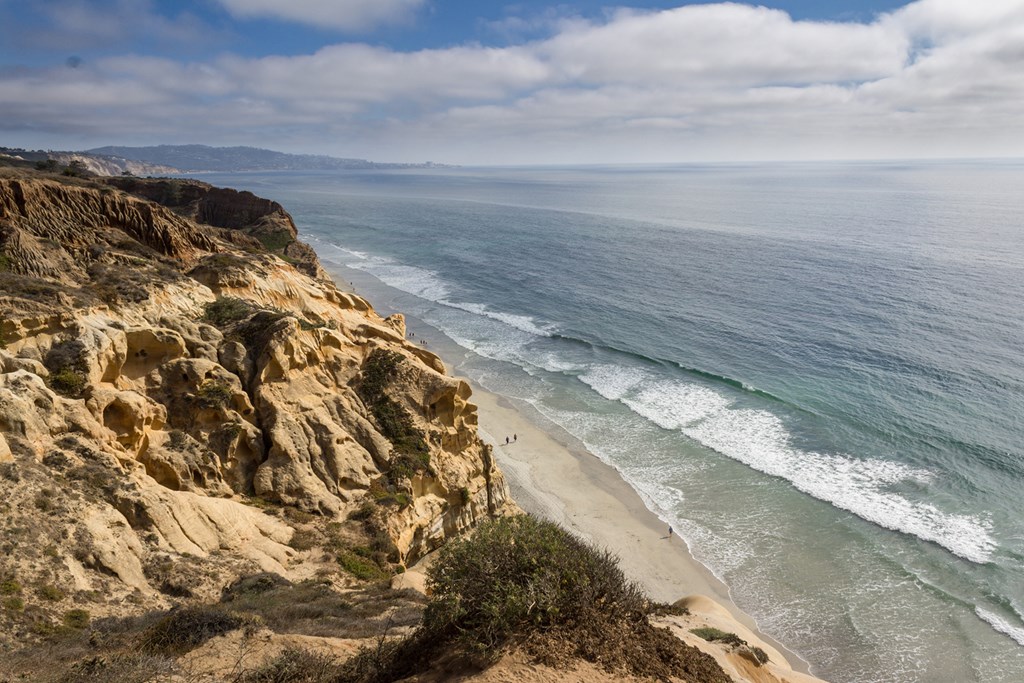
x: 205, y: 158
x: 98, y: 164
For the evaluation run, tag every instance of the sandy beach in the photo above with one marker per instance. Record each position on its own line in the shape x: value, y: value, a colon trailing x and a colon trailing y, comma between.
x: 552, y: 477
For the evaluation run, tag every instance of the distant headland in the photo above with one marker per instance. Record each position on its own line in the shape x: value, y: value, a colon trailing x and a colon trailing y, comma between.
x: 163, y: 159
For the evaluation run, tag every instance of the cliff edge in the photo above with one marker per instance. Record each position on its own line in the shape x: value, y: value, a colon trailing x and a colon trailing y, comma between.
x: 175, y: 376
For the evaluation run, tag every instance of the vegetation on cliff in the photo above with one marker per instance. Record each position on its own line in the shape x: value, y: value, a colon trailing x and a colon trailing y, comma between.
x: 516, y: 584
x: 523, y: 583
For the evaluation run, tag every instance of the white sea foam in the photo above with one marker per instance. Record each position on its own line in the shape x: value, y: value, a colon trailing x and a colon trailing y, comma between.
x: 423, y: 283
x: 324, y: 247
x: 758, y: 438
x: 1002, y: 625
x: 553, y: 362
x: 428, y: 285
x: 613, y: 381
x: 520, y: 322
x: 673, y: 405
x: 361, y: 255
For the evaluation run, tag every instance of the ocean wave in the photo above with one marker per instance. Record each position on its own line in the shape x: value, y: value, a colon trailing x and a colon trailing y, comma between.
x: 520, y: 322
x: 428, y: 285
x: 1002, y: 625
x: 613, y: 381
x: 674, y: 405
x: 417, y: 281
x: 670, y: 404
x: 711, y: 377
x: 322, y: 246
x: 758, y: 439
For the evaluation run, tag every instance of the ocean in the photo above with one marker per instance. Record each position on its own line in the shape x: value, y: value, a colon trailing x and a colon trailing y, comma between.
x: 814, y: 372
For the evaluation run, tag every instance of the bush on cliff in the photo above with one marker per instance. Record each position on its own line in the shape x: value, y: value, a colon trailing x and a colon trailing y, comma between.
x: 521, y: 582
x: 65, y: 361
x: 226, y: 310
x: 186, y: 628
x: 410, y: 454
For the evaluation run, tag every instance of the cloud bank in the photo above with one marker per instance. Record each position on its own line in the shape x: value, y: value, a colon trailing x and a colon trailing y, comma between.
x: 349, y: 15
x: 700, y: 82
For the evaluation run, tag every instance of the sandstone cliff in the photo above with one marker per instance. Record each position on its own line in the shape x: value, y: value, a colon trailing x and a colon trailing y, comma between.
x: 183, y: 394
x: 110, y: 165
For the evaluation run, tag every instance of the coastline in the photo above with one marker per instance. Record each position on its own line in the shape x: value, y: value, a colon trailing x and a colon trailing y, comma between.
x: 553, y: 476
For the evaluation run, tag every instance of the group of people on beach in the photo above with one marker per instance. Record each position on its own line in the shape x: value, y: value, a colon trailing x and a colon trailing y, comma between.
x: 514, y: 439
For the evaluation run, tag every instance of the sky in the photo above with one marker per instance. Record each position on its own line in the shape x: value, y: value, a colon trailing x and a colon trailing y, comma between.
x: 530, y: 82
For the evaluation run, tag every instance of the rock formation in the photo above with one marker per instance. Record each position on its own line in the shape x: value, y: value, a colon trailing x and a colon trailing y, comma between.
x: 174, y: 366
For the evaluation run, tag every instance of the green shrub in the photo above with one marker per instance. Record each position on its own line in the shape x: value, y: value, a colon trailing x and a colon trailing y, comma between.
x: 314, y: 322
x: 275, y: 241
x: 384, y: 492
x: 214, y: 394
x: 68, y: 382
x: 9, y: 587
x: 464, y: 496
x: 177, y: 439
x: 76, y: 618
x: 186, y: 628
x: 760, y: 655
x: 256, y: 332
x: 14, y: 604
x: 410, y: 454
x: 364, y: 511
x: 76, y: 168
x: 523, y: 582
x: 521, y: 574
x: 226, y: 310
x: 361, y: 567
x: 715, y: 635
x: 51, y: 593
x: 303, y: 539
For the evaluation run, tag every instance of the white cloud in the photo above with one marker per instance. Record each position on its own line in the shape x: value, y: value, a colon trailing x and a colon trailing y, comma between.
x: 348, y: 15
x: 725, y: 43
x: 724, y: 81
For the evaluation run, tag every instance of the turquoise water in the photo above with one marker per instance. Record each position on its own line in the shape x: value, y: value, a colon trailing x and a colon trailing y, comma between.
x: 813, y: 371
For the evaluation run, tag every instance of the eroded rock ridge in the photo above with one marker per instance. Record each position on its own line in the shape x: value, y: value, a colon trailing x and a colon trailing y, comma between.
x: 175, y: 365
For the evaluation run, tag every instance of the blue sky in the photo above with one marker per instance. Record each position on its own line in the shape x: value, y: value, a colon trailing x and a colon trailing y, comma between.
x: 30, y: 34
x: 528, y: 82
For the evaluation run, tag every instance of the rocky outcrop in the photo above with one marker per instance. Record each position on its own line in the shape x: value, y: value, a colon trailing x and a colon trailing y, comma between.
x: 249, y: 221
x: 166, y: 387
x: 105, y: 165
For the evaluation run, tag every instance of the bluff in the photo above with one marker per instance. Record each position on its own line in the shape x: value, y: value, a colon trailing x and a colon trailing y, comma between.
x: 183, y: 393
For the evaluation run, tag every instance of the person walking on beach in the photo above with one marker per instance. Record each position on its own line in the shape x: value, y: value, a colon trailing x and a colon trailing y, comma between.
x: 670, y: 532
x: 515, y: 438
x: 506, y: 440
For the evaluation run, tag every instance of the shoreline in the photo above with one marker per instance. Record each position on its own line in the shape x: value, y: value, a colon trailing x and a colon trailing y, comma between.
x: 552, y: 475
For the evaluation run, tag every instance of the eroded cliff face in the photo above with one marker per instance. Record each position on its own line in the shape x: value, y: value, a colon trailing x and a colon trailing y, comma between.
x: 162, y: 382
